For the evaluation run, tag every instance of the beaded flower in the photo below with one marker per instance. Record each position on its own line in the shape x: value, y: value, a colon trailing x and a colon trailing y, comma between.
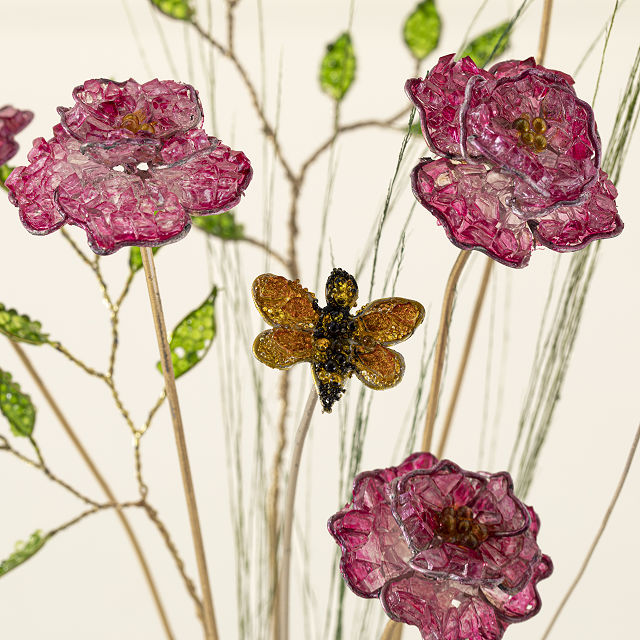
x: 519, y: 159
x: 128, y: 163
x: 336, y: 342
x: 12, y: 122
x: 449, y: 551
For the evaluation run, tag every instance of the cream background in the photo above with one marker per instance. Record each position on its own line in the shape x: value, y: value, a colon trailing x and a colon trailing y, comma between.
x: 86, y: 584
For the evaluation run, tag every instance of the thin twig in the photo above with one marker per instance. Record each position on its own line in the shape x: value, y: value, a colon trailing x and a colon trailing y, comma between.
x: 173, y: 550
x: 85, y: 367
x: 267, y: 249
x: 89, y: 512
x: 441, y: 347
x: 471, y: 332
x: 211, y: 631
x: 40, y: 464
x: 292, y: 481
x: 596, y: 540
x: 345, y: 128
x: 101, y: 481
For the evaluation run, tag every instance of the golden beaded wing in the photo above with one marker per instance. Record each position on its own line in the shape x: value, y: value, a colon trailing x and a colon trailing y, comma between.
x: 383, y: 322
x: 292, y: 311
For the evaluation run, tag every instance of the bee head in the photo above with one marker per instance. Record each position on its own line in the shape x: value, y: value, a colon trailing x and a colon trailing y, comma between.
x: 342, y: 289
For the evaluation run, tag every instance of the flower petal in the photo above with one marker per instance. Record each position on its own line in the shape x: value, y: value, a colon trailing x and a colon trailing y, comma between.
x: 101, y: 105
x: 569, y: 163
x: 32, y: 188
x: 470, y: 201
x: 525, y: 603
x: 571, y: 228
x: 441, y: 610
x: 13, y: 121
x: 439, y: 99
x: 119, y: 209
x: 209, y: 180
x: 373, y: 549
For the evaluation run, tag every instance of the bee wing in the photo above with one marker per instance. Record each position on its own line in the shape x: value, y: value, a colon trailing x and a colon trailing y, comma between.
x: 281, y: 348
x: 284, y: 303
x: 388, y: 320
x: 378, y: 368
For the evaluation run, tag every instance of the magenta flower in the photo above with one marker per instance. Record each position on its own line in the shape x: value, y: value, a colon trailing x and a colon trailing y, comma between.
x: 128, y: 163
x: 520, y: 160
x: 12, y: 121
x: 449, y: 551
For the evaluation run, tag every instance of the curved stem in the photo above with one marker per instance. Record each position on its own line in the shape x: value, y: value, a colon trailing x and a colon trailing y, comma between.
x: 274, y: 497
x: 441, y: 347
x: 392, y: 631
x: 594, y: 544
x: 473, y: 325
x: 544, y: 31
x: 292, y: 481
x: 101, y: 481
x: 211, y: 632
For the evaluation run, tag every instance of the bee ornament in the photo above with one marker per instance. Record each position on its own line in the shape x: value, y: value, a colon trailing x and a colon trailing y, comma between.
x: 335, y: 341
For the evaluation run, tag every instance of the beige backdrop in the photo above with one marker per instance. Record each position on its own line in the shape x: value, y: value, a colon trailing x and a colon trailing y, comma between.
x: 86, y: 584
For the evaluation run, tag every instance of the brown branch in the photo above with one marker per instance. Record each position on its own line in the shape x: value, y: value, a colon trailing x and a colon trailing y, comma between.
x: 173, y: 550
x: 267, y: 249
x: 345, y: 128
x: 101, y: 481
x: 268, y: 130
x: 41, y: 465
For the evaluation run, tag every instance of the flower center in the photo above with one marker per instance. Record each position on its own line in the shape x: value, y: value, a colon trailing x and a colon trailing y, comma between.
x: 531, y: 131
x: 458, y: 526
x: 136, y: 121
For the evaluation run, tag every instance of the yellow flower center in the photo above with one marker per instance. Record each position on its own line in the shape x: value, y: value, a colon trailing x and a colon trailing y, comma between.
x: 457, y: 525
x: 136, y: 121
x: 531, y: 131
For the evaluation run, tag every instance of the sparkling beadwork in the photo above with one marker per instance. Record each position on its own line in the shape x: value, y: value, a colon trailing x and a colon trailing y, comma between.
x: 336, y: 342
x: 450, y: 551
x: 533, y: 154
x: 129, y: 164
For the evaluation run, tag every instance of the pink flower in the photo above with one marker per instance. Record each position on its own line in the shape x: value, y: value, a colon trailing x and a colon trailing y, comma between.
x: 449, y: 551
x: 128, y: 163
x: 520, y: 159
x: 12, y: 121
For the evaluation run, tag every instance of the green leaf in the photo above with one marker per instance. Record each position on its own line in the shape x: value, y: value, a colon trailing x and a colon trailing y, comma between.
x: 193, y: 336
x: 338, y: 68
x: 422, y: 29
x: 24, y: 551
x: 135, y: 258
x: 21, y: 328
x: 16, y: 406
x: 481, y: 49
x: 416, y: 129
x: 222, y: 225
x: 5, y: 170
x: 178, y: 9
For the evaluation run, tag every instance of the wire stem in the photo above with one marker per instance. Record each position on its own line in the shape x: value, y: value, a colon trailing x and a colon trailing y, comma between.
x: 471, y: 332
x: 441, y: 347
x: 544, y: 31
x: 101, y: 481
x: 594, y: 544
x: 292, y: 481
x: 211, y: 632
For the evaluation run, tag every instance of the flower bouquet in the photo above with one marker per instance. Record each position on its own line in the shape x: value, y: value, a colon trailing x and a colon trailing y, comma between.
x: 417, y: 204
